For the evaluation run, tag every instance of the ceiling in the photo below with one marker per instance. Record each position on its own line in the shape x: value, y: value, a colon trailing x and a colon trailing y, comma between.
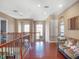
x: 36, y: 9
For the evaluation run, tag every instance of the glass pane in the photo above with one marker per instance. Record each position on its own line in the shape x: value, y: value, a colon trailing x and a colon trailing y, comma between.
x: 62, y: 29
x: 19, y: 27
x: 26, y: 28
x: 39, y: 30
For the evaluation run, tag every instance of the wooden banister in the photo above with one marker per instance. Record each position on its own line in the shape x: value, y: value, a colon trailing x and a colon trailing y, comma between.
x: 15, y: 44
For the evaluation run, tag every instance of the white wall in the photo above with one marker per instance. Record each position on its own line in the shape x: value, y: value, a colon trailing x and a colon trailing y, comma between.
x: 71, y: 12
x: 47, y: 39
x: 53, y: 29
x: 10, y: 22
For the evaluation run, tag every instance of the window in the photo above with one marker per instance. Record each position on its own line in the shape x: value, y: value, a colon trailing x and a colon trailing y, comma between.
x: 62, y: 29
x: 39, y: 30
x: 27, y: 28
x: 19, y: 27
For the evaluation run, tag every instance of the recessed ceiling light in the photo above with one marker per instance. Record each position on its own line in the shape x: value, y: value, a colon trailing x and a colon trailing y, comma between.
x: 39, y: 5
x: 15, y: 10
x: 19, y: 13
x: 45, y: 13
x: 46, y: 6
x: 60, y: 5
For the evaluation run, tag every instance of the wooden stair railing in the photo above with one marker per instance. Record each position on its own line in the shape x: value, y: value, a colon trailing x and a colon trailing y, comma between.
x: 15, y: 46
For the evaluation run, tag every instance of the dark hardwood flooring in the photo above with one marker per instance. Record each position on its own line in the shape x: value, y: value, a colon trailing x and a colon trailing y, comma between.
x: 42, y: 50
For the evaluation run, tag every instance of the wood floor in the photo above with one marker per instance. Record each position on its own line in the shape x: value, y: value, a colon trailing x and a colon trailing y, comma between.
x: 42, y: 50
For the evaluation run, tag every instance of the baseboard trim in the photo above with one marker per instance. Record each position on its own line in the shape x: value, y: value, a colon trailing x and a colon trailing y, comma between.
x: 52, y: 41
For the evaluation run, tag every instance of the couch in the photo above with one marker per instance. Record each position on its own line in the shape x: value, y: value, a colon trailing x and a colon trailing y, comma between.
x: 69, y: 48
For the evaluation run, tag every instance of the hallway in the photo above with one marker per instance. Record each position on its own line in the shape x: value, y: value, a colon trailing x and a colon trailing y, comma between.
x: 42, y: 50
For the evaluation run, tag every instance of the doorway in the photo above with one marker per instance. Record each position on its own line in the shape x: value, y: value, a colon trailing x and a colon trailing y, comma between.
x: 39, y: 32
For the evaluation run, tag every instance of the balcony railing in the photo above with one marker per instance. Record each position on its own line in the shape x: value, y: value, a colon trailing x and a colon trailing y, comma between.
x: 14, y: 45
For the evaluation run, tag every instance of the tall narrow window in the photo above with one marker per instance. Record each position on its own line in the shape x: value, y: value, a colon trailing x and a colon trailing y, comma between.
x: 62, y: 29
x: 19, y: 27
x: 27, y: 28
x: 3, y: 29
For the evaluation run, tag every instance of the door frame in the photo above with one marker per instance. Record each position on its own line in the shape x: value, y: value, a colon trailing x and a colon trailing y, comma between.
x: 43, y: 23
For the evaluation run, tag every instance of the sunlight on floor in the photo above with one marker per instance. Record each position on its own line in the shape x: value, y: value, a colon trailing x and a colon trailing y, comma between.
x: 39, y: 49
